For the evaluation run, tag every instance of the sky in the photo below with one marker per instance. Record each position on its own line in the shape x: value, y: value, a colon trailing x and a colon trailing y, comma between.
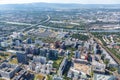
x: 62, y: 1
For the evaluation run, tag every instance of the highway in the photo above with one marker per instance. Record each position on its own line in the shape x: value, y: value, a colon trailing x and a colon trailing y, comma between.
x: 72, y: 30
x: 34, y: 26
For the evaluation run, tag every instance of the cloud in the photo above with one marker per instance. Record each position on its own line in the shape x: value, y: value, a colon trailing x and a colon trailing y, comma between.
x: 63, y: 1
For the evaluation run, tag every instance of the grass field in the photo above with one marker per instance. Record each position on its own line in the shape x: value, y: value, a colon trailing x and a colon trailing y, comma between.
x: 13, y: 61
x: 39, y: 77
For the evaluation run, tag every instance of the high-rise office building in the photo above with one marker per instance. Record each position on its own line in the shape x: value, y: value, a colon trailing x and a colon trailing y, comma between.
x: 21, y: 57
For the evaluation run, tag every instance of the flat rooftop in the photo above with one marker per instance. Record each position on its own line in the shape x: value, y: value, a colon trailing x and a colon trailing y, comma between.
x: 103, y: 77
x: 6, y: 67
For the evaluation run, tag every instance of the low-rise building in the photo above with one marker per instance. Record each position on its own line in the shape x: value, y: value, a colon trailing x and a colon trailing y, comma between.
x: 8, y: 70
x: 103, y: 77
x: 4, y: 44
x: 98, y: 67
x: 57, y: 78
x: 39, y: 59
x: 40, y: 68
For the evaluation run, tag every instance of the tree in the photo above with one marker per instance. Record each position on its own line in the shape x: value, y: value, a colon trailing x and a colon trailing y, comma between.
x: 106, y: 61
x: 103, y: 56
x: 80, y: 37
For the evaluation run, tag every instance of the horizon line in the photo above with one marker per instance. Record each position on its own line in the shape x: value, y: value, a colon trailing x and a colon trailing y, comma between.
x: 61, y: 3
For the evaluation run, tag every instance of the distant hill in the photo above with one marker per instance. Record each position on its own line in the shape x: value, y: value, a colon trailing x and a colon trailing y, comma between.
x: 45, y: 6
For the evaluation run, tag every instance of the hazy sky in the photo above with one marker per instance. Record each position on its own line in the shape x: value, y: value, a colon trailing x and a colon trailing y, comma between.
x: 63, y: 1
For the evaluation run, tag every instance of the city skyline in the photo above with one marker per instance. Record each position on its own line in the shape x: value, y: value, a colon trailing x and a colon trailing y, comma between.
x: 59, y: 40
x: 61, y: 1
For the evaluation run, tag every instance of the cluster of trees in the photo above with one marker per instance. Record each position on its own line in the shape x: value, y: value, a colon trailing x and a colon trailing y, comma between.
x: 114, y: 52
x: 80, y: 37
x: 65, y: 25
x: 2, y: 54
x: 105, y: 33
x: 49, y: 40
x: 57, y: 62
